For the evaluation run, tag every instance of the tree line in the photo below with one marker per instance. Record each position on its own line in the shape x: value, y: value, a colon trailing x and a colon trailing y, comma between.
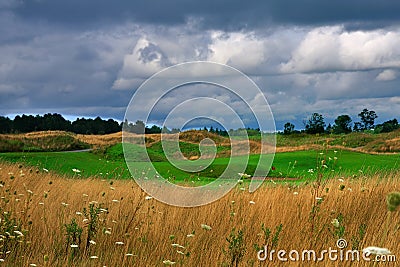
x: 51, y: 122
x: 343, y: 124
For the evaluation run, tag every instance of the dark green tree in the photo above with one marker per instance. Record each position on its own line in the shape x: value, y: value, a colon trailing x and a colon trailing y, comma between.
x: 315, y: 124
x: 342, y: 124
x: 367, y: 119
x: 288, y: 128
x: 387, y: 126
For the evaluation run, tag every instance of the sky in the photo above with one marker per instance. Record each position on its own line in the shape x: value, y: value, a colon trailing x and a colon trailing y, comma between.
x: 88, y: 58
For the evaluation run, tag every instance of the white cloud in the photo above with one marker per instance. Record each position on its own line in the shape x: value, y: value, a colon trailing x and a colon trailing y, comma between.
x: 387, y: 75
x: 334, y: 48
x: 241, y: 50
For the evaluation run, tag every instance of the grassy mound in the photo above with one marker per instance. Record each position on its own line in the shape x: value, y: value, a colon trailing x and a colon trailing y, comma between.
x: 41, y: 141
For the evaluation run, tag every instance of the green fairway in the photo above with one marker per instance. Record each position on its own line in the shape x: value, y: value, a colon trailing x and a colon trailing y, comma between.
x: 111, y: 164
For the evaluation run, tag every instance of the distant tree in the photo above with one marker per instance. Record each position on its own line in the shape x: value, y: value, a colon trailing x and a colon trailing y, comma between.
x: 387, y: 126
x: 154, y: 129
x: 367, y: 119
x: 342, y: 124
x: 315, y: 124
x: 329, y: 129
x: 138, y: 127
x: 6, y: 125
x: 288, y: 128
x: 357, y: 127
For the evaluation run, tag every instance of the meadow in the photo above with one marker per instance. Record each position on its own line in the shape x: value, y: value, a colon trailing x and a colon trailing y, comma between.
x: 84, y: 208
x: 52, y: 220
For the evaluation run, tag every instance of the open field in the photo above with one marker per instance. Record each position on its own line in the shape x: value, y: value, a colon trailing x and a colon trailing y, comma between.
x: 298, y: 164
x: 363, y: 142
x: 52, y: 220
x: 84, y: 209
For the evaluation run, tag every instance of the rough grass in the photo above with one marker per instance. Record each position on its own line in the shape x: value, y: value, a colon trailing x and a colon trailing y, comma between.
x: 43, y: 203
x: 41, y: 141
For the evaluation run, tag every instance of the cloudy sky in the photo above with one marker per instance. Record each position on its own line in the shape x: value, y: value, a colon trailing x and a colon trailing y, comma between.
x: 87, y: 58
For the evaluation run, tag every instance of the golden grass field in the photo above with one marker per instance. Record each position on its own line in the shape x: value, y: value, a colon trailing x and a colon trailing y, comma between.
x: 132, y: 230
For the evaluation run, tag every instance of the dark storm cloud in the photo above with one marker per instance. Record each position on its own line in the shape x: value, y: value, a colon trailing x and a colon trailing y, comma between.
x: 233, y: 14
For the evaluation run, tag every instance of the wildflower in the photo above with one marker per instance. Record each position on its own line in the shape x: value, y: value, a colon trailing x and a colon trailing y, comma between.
x: 119, y: 243
x: 240, y: 181
x: 335, y: 158
x: 64, y: 204
x: 19, y: 233
x: 252, y: 202
x: 325, y: 166
x: 244, y: 175
x: 190, y: 235
x: 321, y: 153
x: 74, y: 246
x: 92, y: 242
x: 335, y: 151
x: 180, y: 252
x: 168, y: 262
x: 76, y: 170
x: 206, y: 227
x: 94, y: 257
x: 335, y: 222
x: 177, y: 246
x: 273, y: 168
x: 148, y: 197
x: 85, y: 220
x: 376, y: 251
x: 310, y: 170
x: 45, y: 170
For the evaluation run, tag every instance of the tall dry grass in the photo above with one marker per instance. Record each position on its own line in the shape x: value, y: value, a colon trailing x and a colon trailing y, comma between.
x: 43, y: 203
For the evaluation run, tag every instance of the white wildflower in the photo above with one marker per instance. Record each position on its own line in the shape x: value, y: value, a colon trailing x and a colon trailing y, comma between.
x: 177, y: 246
x: 76, y: 170
x: 148, y: 197
x: 73, y: 246
x: 206, y: 227
x: 252, y: 202
x: 335, y: 222
x: 119, y: 243
x: 92, y: 242
x: 94, y: 257
x: 168, y: 262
